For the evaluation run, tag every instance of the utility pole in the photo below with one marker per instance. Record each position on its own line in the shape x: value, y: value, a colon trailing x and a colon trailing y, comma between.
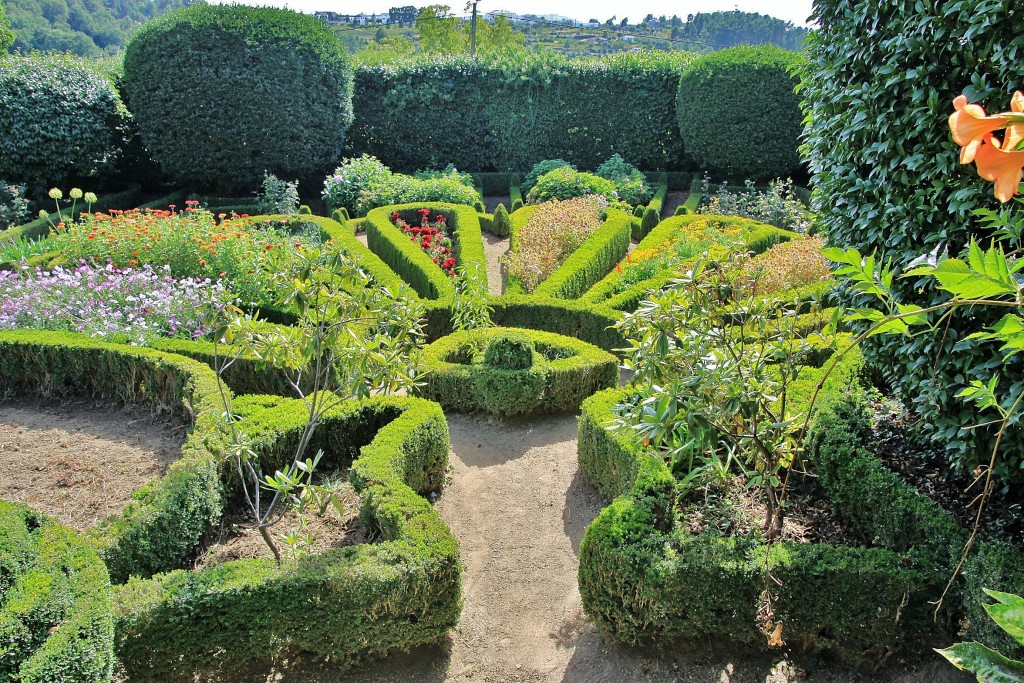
x: 472, y: 32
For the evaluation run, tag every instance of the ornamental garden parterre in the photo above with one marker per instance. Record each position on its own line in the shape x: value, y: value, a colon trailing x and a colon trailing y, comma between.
x: 779, y: 400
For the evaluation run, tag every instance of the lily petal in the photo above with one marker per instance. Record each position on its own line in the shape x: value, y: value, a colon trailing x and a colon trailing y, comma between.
x: 1003, y: 167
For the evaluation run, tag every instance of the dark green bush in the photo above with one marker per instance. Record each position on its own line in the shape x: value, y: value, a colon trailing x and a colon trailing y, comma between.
x: 346, y: 604
x: 739, y: 116
x: 222, y: 93
x: 509, y: 115
x: 649, y: 222
x: 888, y: 181
x: 60, y: 121
x: 501, y: 224
x: 509, y: 351
x: 560, y: 371
x: 630, y: 184
x: 55, y: 618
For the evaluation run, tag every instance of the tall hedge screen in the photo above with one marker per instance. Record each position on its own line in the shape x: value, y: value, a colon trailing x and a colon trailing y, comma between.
x: 507, y: 116
x: 60, y: 120
x: 877, y: 91
x: 222, y: 93
x: 739, y: 115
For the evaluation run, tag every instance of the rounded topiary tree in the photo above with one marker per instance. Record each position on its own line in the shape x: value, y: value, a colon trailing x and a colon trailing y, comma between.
x: 223, y: 93
x: 510, y: 351
x: 60, y: 120
x: 739, y: 116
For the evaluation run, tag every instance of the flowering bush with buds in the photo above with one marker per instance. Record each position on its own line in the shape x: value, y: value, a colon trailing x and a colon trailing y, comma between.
x: 432, y: 236
x: 555, y: 230
x: 193, y: 243
x: 134, y: 306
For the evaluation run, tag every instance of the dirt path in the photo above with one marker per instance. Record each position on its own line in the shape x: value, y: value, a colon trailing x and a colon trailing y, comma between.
x: 494, y: 249
x: 673, y: 200
x: 519, y: 507
x: 491, y: 203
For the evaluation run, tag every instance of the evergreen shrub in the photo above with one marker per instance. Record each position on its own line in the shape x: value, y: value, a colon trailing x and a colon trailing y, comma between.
x: 221, y: 93
x: 739, y: 116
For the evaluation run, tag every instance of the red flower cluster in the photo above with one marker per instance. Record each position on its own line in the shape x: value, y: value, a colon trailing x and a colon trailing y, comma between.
x: 432, y: 238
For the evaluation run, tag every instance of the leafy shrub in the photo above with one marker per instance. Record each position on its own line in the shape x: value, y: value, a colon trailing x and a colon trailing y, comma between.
x: 553, y: 232
x: 630, y: 184
x: 776, y: 206
x: 134, y: 306
x: 788, y: 265
x: 13, y: 205
x: 449, y: 172
x: 59, y: 119
x: 739, y: 116
x: 566, y: 183
x: 279, y: 196
x: 539, y: 169
x: 510, y: 351
x: 403, y: 189
x: 883, y: 105
x: 342, y: 188
x: 55, y: 616
x: 283, y: 87
x: 501, y: 224
x: 191, y: 242
x: 650, y: 221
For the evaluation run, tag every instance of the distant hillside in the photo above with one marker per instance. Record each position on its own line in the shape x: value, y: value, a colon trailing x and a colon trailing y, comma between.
x: 89, y: 28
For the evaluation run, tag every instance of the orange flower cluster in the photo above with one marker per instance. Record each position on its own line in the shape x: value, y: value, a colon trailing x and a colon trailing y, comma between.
x: 996, y: 159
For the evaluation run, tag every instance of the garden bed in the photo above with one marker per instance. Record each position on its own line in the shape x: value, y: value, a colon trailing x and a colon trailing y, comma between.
x: 80, y: 462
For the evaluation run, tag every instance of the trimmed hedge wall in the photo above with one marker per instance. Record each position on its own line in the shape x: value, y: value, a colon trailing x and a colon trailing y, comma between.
x: 347, y: 604
x: 406, y: 258
x: 564, y: 371
x: 169, y: 516
x: 55, y: 617
x: 888, y: 181
x: 643, y: 580
x: 590, y: 323
x: 283, y: 86
x: 508, y: 116
x: 730, y: 98
x: 592, y: 261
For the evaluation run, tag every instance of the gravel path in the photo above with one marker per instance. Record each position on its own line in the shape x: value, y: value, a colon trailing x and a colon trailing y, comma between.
x: 494, y: 249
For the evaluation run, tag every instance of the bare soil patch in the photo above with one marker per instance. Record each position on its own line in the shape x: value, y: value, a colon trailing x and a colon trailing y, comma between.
x: 237, y: 539
x: 80, y: 461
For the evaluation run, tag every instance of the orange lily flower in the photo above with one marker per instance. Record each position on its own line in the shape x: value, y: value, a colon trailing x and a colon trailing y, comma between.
x: 1002, y: 164
x: 970, y: 125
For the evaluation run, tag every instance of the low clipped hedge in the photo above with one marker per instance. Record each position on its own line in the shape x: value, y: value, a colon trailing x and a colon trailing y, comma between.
x: 347, y: 604
x: 169, y: 516
x: 593, y: 324
x: 406, y: 258
x: 460, y: 373
x: 643, y: 579
x: 592, y: 261
x: 756, y: 237
x: 55, y: 615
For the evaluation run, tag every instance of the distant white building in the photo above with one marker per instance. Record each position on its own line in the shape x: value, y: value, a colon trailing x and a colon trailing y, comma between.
x: 511, y: 16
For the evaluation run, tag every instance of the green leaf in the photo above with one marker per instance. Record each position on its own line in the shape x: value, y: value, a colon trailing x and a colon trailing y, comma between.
x: 1008, y: 612
x: 986, y: 663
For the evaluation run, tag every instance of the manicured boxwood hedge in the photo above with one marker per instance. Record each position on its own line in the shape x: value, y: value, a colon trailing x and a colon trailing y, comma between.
x: 563, y: 372
x: 590, y: 323
x: 507, y: 116
x: 730, y: 98
x: 592, y: 261
x: 169, y: 516
x: 643, y: 580
x: 406, y: 258
x: 347, y: 604
x: 55, y: 616
x: 221, y: 94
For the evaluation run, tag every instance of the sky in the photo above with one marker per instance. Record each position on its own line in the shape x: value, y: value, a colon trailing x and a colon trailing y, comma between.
x: 796, y: 11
